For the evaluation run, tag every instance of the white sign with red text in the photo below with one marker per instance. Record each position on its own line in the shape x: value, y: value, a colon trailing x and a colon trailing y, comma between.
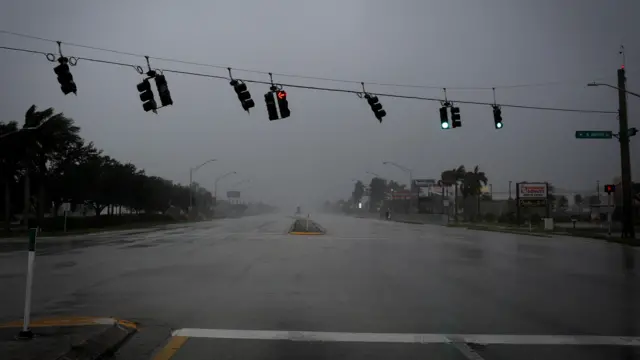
x: 532, y: 191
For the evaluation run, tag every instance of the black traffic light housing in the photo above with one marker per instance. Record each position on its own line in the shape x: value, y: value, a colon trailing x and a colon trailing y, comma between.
x: 146, y: 96
x: 269, y: 99
x: 455, y: 117
x: 610, y: 188
x: 376, y: 107
x: 67, y: 85
x: 283, y: 104
x: 243, y: 94
x: 163, y: 90
x: 497, y: 117
x: 444, y: 118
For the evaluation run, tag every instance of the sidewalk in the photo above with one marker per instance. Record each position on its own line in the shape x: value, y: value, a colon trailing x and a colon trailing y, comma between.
x: 68, y: 338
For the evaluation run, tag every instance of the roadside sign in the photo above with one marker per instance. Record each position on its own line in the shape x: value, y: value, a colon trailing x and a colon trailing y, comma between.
x: 532, y: 191
x: 589, y: 134
x: 532, y: 202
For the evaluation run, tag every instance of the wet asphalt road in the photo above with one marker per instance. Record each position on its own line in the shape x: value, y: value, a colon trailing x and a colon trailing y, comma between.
x: 363, y: 276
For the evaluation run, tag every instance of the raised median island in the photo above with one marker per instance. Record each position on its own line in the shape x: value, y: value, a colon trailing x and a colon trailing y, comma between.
x: 305, y: 226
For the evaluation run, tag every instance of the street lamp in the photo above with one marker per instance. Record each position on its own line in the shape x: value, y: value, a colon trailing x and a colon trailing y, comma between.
x: 24, y: 129
x: 374, y: 174
x: 191, y: 171
x: 403, y: 168
x: 215, y: 186
x: 613, y: 87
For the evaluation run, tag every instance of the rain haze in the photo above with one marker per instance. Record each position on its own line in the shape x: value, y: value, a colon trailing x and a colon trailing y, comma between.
x: 333, y: 137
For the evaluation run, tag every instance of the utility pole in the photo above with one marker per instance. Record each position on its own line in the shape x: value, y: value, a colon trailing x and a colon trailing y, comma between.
x: 628, y: 230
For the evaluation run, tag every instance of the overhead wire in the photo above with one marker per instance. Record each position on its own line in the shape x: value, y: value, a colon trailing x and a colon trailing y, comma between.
x: 262, y: 72
x: 319, y: 88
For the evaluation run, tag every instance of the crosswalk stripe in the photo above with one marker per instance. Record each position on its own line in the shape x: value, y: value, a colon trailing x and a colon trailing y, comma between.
x: 482, y: 339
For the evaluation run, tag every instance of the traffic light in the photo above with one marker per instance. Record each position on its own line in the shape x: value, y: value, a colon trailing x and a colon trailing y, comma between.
x: 146, y: 96
x: 163, y: 90
x: 609, y: 188
x: 67, y: 85
x: 444, y: 118
x: 376, y: 107
x: 497, y: 117
x: 271, y: 105
x: 455, y: 117
x: 283, y: 104
x: 243, y: 94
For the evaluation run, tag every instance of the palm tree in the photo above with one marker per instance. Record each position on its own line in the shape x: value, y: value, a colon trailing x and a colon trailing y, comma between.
x: 56, y: 133
x: 473, y: 182
x: 453, y: 177
x: 9, y: 165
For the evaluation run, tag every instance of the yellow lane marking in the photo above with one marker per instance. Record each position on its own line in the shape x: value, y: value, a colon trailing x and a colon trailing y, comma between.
x: 70, y: 321
x: 305, y: 233
x: 172, y: 347
x: 128, y: 324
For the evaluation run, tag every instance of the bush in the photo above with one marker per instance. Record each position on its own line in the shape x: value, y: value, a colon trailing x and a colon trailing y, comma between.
x: 490, y: 217
x: 535, y: 219
x: 98, y: 222
x: 508, y: 218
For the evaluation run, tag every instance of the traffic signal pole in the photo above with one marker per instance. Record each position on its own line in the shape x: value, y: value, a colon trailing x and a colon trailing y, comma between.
x: 628, y: 230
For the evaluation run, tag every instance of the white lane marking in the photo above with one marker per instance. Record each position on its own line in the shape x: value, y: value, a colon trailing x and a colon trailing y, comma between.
x: 483, y: 339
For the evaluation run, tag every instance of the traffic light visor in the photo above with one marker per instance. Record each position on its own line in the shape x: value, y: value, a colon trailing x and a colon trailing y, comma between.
x: 240, y: 87
x: 144, y: 86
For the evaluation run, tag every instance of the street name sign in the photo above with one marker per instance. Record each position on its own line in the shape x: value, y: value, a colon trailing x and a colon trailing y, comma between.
x: 590, y: 134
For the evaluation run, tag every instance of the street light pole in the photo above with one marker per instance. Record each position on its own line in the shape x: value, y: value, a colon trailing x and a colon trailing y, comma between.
x: 23, y: 129
x: 215, y: 185
x: 625, y: 159
x: 623, y: 89
x: 191, y: 171
x: 510, y: 189
x: 403, y: 168
x: 406, y: 170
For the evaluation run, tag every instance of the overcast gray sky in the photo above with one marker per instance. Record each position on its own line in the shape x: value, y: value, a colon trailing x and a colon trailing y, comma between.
x: 331, y: 137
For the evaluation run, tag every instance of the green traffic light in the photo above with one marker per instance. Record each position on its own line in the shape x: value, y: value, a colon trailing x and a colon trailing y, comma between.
x: 499, y: 125
x: 444, y: 125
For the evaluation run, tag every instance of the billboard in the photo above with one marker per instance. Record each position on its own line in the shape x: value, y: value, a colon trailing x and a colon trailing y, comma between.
x: 423, y: 182
x: 423, y: 187
x: 233, y: 194
x: 532, y: 191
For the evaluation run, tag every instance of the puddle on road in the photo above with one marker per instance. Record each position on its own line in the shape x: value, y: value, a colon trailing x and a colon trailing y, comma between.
x: 64, y: 264
x: 138, y: 246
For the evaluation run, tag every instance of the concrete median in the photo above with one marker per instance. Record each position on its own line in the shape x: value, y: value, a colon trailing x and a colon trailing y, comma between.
x: 69, y: 338
x: 305, y: 226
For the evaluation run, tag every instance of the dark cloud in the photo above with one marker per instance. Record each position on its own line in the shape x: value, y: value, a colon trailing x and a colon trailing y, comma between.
x: 332, y: 138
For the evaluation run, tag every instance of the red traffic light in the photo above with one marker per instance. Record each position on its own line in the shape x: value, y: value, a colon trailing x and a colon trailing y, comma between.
x: 609, y: 188
x: 282, y: 94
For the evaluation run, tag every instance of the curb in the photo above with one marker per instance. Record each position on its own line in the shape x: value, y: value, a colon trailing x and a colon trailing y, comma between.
x: 504, y: 231
x: 102, y: 345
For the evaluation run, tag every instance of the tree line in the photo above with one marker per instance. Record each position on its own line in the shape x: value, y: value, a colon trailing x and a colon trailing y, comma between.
x: 44, y: 162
